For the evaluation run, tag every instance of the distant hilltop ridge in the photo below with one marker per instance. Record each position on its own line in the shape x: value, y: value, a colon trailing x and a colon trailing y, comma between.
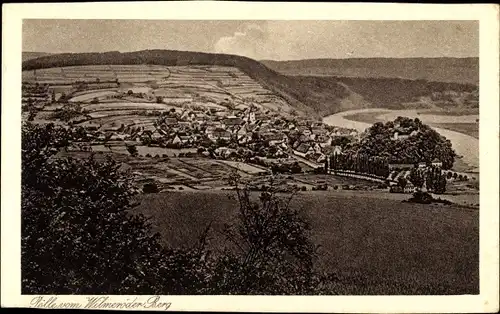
x: 310, y: 94
x: 441, y: 69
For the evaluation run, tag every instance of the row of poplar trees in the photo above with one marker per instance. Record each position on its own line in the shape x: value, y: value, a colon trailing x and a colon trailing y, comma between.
x: 358, y: 163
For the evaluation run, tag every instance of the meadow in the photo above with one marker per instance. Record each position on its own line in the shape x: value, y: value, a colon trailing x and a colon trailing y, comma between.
x: 471, y: 129
x: 374, y: 246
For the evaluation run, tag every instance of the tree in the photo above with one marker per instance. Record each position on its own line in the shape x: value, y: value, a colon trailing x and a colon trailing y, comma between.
x: 440, y: 187
x: 416, y: 177
x: 275, y: 253
x: 426, y: 145
x: 132, y: 150
x: 159, y: 100
x: 402, y: 182
x: 150, y: 188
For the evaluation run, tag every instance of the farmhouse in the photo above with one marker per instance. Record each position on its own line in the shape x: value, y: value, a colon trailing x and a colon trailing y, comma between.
x: 323, y: 140
x: 156, y: 134
x: 337, y: 150
x: 219, y: 133
x: 304, y: 149
x: 403, y: 135
x: 181, y: 139
x: 273, y: 138
x: 232, y: 121
x: 171, y: 121
x: 437, y: 163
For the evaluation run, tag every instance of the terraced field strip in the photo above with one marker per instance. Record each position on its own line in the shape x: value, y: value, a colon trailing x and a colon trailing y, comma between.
x: 183, y: 174
x: 127, y: 105
x: 92, y: 95
x: 197, y: 167
x: 249, y: 169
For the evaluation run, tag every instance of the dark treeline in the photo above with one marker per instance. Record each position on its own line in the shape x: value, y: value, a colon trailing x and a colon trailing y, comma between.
x: 359, y: 164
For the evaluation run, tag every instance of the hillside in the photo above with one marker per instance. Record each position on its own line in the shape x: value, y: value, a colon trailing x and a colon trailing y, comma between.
x: 457, y: 70
x: 312, y: 95
x: 28, y: 55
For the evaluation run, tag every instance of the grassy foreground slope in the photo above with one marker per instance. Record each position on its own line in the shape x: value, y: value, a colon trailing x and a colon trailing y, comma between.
x: 374, y: 246
x: 457, y: 70
x: 312, y: 95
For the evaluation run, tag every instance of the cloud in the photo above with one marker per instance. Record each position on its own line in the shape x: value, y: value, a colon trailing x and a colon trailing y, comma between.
x: 251, y: 40
x: 289, y: 40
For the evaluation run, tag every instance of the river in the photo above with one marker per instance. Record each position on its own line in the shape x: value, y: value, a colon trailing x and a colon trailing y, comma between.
x: 464, y: 145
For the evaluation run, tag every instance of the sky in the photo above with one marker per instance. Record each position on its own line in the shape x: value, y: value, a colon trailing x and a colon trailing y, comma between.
x: 274, y: 40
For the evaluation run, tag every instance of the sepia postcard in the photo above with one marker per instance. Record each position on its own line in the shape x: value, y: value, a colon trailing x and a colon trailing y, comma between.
x: 257, y: 157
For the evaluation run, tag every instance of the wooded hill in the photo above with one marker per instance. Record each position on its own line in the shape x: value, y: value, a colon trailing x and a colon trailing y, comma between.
x: 455, y: 70
x: 313, y: 95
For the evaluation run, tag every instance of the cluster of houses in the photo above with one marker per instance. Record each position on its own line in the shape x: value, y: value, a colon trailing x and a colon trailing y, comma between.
x: 248, y: 127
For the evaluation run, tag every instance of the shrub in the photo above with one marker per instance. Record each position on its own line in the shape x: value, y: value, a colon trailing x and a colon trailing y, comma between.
x: 396, y: 189
x: 150, y: 188
x: 148, y: 155
x: 132, y: 150
x: 421, y: 197
x: 303, y: 188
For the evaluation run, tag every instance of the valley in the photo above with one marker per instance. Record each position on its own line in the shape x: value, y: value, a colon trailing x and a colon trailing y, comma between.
x: 181, y: 131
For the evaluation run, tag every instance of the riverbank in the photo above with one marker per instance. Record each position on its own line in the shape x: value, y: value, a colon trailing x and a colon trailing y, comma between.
x: 465, y: 145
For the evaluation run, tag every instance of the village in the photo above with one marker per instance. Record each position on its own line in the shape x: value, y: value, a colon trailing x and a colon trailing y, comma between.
x: 240, y: 133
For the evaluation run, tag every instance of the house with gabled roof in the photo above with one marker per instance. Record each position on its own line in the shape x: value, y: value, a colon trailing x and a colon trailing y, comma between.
x: 274, y: 138
x: 323, y: 140
x: 218, y: 133
x: 437, y: 163
x: 171, y: 121
x: 232, y: 121
x: 303, y: 149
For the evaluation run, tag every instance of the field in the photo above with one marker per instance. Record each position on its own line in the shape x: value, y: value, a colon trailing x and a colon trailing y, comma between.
x: 375, y: 246
x: 207, y: 86
x: 471, y: 129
